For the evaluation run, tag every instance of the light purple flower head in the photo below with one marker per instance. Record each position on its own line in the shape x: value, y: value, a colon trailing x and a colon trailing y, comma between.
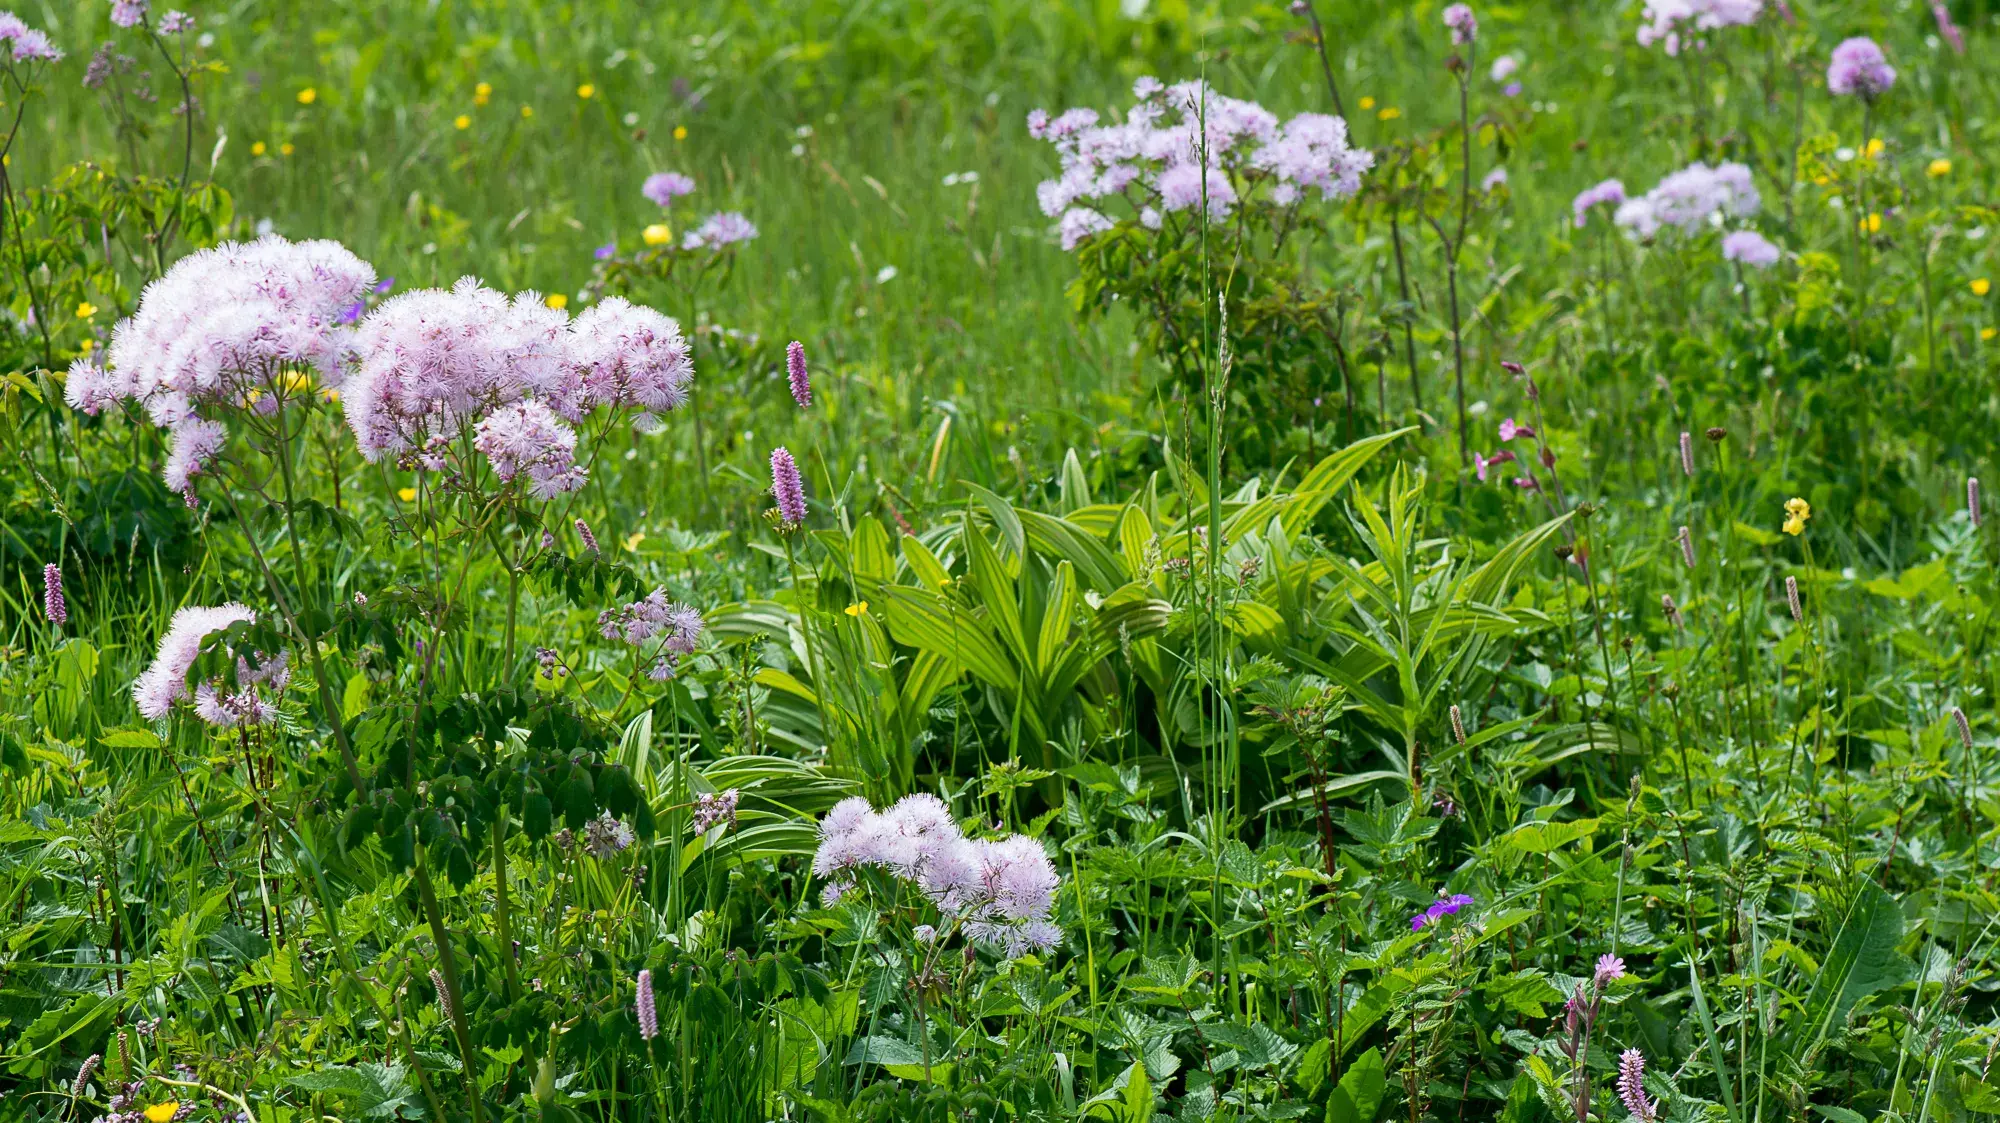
x: 1503, y: 68
x: 29, y: 43
x: 1858, y: 67
x: 1464, y: 26
x: 526, y: 439
x: 679, y: 626
x: 1311, y: 150
x: 1671, y: 23
x: 721, y: 229
x: 648, y: 1014
x: 622, y: 354
x: 664, y: 187
x: 1610, y: 968
x: 1439, y: 909
x: 1610, y: 192
x: 231, y: 327
x: 607, y: 251
x: 796, y: 374
x: 1079, y: 223
x: 176, y: 23
x: 1691, y: 198
x: 165, y: 681
x: 128, y: 13
x: 712, y: 809
x: 1750, y: 248
x: 1509, y: 429
x: 1495, y: 179
x: 1632, y: 1087
x: 788, y: 488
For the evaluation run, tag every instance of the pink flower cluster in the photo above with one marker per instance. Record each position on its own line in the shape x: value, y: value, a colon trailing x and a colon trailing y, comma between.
x: 1182, y: 147
x: 1000, y: 891
x: 1750, y: 248
x: 719, y: 231
x: 664, y: 187
x: 165, y: 681
x: 1609, y: 193
x: 1671, y: 23
x: 678, y: 627
x: 1858, y: 67
x: 29, y: 43
x: 218, y: 705
x: 238, y: 326
x: 1689, y: 198
x: 520, y: 373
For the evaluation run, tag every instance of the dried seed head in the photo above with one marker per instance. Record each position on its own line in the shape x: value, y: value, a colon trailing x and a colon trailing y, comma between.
x: 1964, y: 726
x: 1792, y: 598
x: 1972, y: 501
x: 443, y: 993
x: 1458, y: 724
x: 1672, y: 610
x: 1715, y: 433
x: 1687, y: 546
x: 1687, y: 453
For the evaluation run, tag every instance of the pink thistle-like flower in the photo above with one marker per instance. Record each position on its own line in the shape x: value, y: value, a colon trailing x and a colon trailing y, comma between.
x: 787, y: 488
x: 525, y: 439
x: 165, y: 681
x: 54, y: 608
x: 1750, y: 248
x: 128, y: 13
x: 1632, y: 1086
x: 649, y: 1017
x: 795, y: 371
x: 1464, y: 26
x: 718, y: 231
x: 624, y: 354
x: 1858, y: 67
x: 1610, y: 968
x: 1609, y: 193
x: 664, y: 187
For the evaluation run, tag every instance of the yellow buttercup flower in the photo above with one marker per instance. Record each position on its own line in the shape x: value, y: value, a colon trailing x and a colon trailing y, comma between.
x: 586, y: 91
x: 295, y: 380
x: 286, y: 150
x: 1873, y: 148
x: 633, y: 539
x: 308, y: 95
x: 1981, y: 287
x: 527, y: 111
x: 680, y: 132
x: 1389, y: 114
x: 257, y: 149
x: 89, y: 345
x: 1797, y: 511
x: 1368, y: 103
x: 482, y: 93
x: 86, y: 310
x: 1984, y: 333
x: 1872, y: 224
x: 407, y: 494
x: 161, y: 1113
x: 1938, y: 168
x: 461, y: 122
x: 857, y: 608
x: 556, y: 301
x: 658, y: 234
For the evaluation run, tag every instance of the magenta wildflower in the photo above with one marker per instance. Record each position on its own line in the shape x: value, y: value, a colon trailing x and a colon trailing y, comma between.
x: 1610, y: 968
x: 589, y: 539
x: 1439, y: 909
x: 649, y: 1017
x: 1632, y: 1086
x: 664, y: 187
x: 787, y: 488
x: 1859, y: 68
x: 54, y: 608
x: 176, y: 23
x: 607, y: 251
x: 1509, y: 430
x: 1947, y: 28
x: 1464, y: 26
x: 128, y: 13
x: 795, y: 370
x: 525, y: 439
x: 1750, y: 248
x: 165, y: 681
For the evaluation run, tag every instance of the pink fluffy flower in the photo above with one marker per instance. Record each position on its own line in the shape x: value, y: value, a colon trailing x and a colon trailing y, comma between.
x: 526, y: 439
x: 1750, y: 248
x: 1608, y: 193
x: 719, y: 230
x: 625, y: 355
x: 29, y: 43
x: 1079, y: 223
x: 637, y: 623
x: 1463, y: 24
x: 1859, y: 68
x: 1671, y: 23
x: 165, y: 681
x: 664, y: 187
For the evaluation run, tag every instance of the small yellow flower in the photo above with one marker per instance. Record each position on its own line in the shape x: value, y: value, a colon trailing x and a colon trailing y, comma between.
x: 161, y: 1113
x: 295, y: 381
x: 86, y: 310
x: 89, y: 345
x: 482, y: 93
x: 286, y: 150
x: 586, y: 91
x: 680, y: 132
x: 1822, y: 180
x: 1797, y: 511
x: 407, y: 494
x: 527, y: 111
x: 1389, y: 113
x: 633, y: 539
x: 1872, y: 224
x: 556, y: 301
x: 1873, y: 148
x: 1981, y: 287
x: 658, y: 234
x: 1984, y: 333
x: 1368, y: 103
x: 857, y: 608
x: 308, y: 95
x: 257, y: 149
x: 461, y: 122
x: 1938, y: 168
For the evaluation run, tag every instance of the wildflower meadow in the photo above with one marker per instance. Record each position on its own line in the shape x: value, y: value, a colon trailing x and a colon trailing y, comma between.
x: 999, y: 560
